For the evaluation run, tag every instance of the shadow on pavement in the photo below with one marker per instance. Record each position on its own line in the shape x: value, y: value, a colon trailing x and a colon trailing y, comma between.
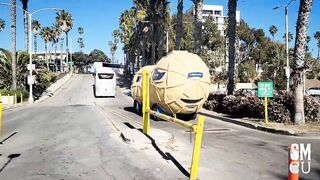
x: 166, y: 155
x: 11, y: 156
x: 8, y: 137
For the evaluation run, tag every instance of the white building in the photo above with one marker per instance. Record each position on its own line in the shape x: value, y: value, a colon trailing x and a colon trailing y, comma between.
x: 51, y: 56
x: 217, y: 13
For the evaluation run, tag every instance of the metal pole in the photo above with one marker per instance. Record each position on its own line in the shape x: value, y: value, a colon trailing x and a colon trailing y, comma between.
x: 287, y: 48
x: 31, y: 100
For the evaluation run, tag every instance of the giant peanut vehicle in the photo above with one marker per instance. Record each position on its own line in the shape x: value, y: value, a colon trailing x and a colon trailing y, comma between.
x: 179, y: 85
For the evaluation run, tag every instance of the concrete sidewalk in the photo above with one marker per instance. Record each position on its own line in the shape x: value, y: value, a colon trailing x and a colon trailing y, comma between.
x: 54, y: 88
x: 258, y: 124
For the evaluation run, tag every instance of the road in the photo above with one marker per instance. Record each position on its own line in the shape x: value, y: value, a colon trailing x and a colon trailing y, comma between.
x: 76, y: 136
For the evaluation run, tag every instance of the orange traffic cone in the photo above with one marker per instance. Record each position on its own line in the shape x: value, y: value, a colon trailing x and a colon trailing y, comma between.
x: 293, y: 163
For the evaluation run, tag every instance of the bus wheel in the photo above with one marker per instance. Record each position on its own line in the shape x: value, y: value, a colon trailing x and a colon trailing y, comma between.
x: 137, y: 107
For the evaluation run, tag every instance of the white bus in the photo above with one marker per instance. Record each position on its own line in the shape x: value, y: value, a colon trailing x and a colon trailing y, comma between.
x: 104, y: 82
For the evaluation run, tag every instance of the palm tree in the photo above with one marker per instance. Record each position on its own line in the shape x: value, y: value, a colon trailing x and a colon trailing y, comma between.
x: 317, y: 37
x: 2, y: 25
x: 232, y: 25
x: 290, y: 37
x: 65, y: 21
x: 6, y: 71
x: 56, y: 32
x: 273, y: 30
x: 80, y: 39
x: 35, y: 26
x: 25, y: 24
x: 179, y: 27
x: 13, y: 43
x: 198, y: 25
x: 113, y: 49
x: 46, y: 35
x: 299, y: 59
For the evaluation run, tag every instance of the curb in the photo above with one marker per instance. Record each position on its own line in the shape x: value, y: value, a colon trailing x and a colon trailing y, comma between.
x: 49, y: 94
x: 15, y: 107
x: 253, y: 126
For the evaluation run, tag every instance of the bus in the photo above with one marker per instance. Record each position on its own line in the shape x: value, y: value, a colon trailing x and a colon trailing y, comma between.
x: 104, y: 82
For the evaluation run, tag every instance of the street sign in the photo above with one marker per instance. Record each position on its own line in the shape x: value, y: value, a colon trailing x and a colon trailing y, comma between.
x: 71, y: 63
x: 265, y: 89
x: 33, y: 67
x: 31, y: 79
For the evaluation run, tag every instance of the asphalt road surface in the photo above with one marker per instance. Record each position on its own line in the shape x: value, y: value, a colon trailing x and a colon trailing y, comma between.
x: 76, y: 136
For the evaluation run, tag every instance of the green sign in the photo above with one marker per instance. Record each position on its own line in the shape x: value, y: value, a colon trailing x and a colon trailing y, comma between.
x: 265, y: 89
x: 71, y: 63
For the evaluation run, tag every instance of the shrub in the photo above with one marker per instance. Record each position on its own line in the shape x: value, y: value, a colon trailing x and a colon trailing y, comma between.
x: 18, y: 92
x: 280, y: 108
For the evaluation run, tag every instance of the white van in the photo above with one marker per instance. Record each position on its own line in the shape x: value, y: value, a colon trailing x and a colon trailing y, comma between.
x: 104, y: 82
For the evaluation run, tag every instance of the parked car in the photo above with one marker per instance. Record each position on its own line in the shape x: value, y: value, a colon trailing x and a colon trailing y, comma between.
x: 313, y: 91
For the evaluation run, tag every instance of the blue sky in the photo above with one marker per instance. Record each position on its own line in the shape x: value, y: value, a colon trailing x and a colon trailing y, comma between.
x: 100, y: 17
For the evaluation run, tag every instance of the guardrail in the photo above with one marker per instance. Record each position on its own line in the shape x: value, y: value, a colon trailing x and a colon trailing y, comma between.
x: 196, y: 128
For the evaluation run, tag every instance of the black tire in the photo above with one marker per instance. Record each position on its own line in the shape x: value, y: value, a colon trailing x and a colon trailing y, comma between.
x: 187, y: 117
x: 137, y: 107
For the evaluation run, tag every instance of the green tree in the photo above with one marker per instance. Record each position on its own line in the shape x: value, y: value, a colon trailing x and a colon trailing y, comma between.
x: 179, y: 27
x: 13, y: 43
x: 2, y: 25
x: 273, y: 30
x: 65, y: 21
x: 98, y: 56
x: 290, y: 37
x: 25, y: 24
x: 81, y: 60
x: 80, y: 39
x: 317, y: 37
x: 35, y: 26
x: 56, y: 33
x: 232, y: 7
x: 6, y: 69
x: 46, y: 35
x: 299, y: 59
x: 198, y: 5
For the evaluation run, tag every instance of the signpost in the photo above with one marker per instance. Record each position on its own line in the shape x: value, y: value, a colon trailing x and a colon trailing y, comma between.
x: 265, y: 89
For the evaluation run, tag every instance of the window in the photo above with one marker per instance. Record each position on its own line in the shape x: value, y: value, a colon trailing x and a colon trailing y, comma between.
x: 207, y: 12
x: 217, y: 13
x: 105, y: 75
x: 157, y: 75
x: 138, y: 79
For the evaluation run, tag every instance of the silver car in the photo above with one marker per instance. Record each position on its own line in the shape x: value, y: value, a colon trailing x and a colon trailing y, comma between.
x: 313, y: 91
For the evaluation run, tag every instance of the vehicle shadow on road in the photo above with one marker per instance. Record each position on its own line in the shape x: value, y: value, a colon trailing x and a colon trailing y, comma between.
x: 10, y: 158
x: 165, y: 155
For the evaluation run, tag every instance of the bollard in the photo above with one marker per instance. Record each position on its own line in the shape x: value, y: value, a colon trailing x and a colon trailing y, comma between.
x: 145, y: 101
x: 15, y: 100
x: 21, y: 98
x: 196, y: 148
x: 293, y: 163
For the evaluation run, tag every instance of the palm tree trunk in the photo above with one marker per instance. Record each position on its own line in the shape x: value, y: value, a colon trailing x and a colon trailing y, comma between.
x: 13, y: 43
x: 61, y: 56
x: 55, y: 57
x: 318, y: 52
x: 160, y: 41
x: 67, y: 49
x: 232, y: 7
x: 25, y: 25
x: 153, y: 45
x: 179, y: 24
x: 144, y: 42
x: 35, y: 44
x: 298, y: 58
x: 45, y: 56
x: 198, y: 26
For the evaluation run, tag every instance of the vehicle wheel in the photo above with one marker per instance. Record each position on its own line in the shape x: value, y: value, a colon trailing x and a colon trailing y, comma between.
x: 155, y: 108
x: 187, y: 117
x: 137, y: 106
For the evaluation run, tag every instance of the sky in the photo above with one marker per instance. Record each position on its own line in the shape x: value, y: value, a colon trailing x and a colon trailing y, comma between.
x: 100, y: 17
